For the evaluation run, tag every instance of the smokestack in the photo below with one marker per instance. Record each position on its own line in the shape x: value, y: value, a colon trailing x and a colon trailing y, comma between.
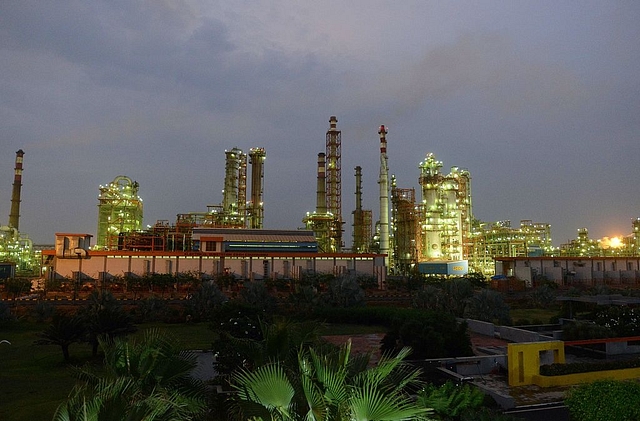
x: 384, y: 195
x: 358, y: 188
x: 321, y: 198
x: 14, y: 216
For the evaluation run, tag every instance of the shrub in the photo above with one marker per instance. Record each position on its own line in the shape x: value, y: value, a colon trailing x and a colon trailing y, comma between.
x: 573, y: 368
x: 604, y: 401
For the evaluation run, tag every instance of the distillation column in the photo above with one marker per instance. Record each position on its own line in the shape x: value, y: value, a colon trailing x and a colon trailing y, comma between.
x: 430, y: 180
x: 334, y: 177
x: 321, y: 222
x: 384, y: 195
x: 14, y: 216
x: 256, y: 205
x: 235, y: 162
x: 361, y: 220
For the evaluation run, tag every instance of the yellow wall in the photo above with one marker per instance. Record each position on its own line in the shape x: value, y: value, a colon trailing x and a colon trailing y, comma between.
x: 524, y: 360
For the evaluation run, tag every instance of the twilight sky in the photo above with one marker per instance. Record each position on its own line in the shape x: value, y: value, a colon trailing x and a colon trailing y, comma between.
x: 539, y: 100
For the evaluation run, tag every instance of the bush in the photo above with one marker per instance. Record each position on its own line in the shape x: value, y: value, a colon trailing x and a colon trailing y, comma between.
x: 585, y: 330
x: 574, y: 368
x: 429, y: 334
x: 604, y: 401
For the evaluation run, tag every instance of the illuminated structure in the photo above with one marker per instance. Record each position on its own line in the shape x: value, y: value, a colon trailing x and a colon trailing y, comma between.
x: 581, y: 246
x: 119, y: 211
x: 326, y: 222
x: 362, y: 220
x: 405, y: 225
x: 334, y: 177
x: 500, y: 239
x: 446, y: 212
x: 16, y: 249
x: 383, y: 181
x: 322, y: 222
x: 256, y: 207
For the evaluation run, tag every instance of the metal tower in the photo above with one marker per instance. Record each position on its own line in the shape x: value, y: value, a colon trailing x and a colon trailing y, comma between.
x: 334, y: 176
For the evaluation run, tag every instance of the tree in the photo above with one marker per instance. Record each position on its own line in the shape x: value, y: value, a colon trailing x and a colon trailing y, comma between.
x: 344, y: 291
x: 204, y: 301
x: 63, y: 331
x: 488, y: 306
x: 430, y: 334
x: 325, y: 386
x: 104, y: 318
x: 256, y: 294
x: 146, y: 380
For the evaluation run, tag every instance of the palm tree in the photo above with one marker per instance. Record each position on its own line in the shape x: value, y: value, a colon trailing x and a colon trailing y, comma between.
x: 104, y: 317
x: 147, y: 380
x: 329, y: 386
x: 63, y: 331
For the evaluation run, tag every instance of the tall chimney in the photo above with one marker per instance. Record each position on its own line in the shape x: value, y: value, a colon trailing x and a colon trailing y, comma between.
x: 14, y: 216
x: 384, y: 195
x: 321, y: 198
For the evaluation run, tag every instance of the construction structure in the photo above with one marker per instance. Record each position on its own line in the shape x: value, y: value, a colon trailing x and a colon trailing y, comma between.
x: 362, y: 220
x: 120, y: 211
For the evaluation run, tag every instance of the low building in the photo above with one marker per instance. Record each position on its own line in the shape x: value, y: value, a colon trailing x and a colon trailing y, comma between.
x: 571, y: 270
x: 248, y: 254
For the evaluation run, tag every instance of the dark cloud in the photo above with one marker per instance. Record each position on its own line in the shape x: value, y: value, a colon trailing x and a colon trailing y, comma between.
x: 539, y: 101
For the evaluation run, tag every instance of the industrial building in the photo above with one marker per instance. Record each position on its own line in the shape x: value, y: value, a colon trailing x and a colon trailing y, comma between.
x: 620, y: 271
x: 326, y: 222
x: 226, y: 239
x: 17, y: 254
x: 247, y: 254
x: 435, y: 233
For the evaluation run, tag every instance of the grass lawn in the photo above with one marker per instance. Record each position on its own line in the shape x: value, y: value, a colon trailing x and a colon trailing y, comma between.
x: 34, y: 379
x: 536, y: 315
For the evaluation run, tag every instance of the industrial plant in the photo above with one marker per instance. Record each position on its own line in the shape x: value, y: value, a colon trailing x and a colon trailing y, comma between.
x: 433, y: 232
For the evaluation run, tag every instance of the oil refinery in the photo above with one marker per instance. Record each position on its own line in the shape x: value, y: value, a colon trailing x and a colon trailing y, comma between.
x: 433, y: 234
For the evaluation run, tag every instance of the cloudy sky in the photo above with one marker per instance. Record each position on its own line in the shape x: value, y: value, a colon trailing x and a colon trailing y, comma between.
x: 539, y: 100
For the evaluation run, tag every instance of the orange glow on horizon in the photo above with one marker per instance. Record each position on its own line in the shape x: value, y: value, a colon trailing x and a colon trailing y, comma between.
x: 613, y: 242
